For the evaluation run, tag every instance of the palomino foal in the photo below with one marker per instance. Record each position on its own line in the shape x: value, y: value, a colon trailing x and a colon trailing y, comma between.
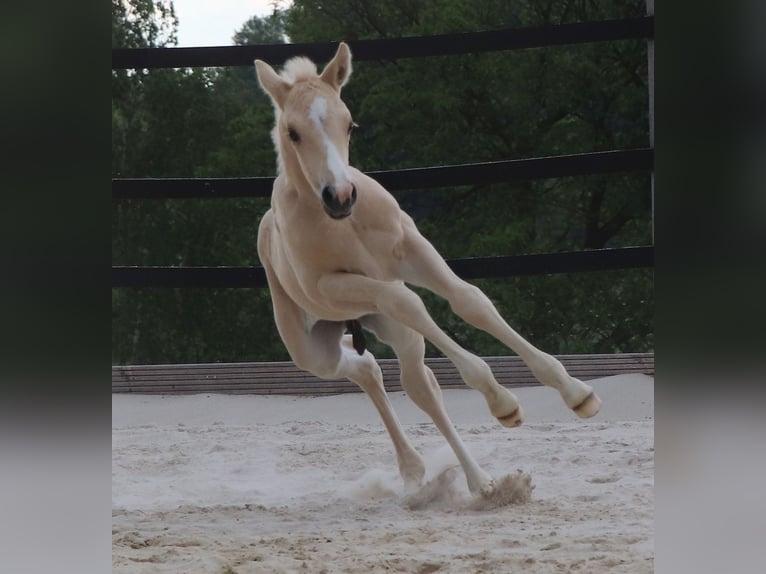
x: 338, y: 250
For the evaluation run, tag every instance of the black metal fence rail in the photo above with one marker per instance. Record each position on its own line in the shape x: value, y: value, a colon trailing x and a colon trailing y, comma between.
x: 389, y: 48
x: 416, y: 178
x: 419, y: 178
x: 469, y: 268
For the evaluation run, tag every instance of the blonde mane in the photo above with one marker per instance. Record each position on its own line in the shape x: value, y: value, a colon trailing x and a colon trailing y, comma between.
x: 297, y: 69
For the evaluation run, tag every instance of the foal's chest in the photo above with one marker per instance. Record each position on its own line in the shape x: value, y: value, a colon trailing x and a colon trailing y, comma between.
x: 346, y: 246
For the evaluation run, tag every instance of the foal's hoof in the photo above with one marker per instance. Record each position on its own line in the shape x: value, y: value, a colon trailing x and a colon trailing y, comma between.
x: 589, y: 407
x: 511, y: 489
x: 512, y: 420
x: 488, y: 489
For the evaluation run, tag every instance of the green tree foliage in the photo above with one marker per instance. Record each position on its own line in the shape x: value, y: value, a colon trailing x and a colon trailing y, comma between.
x: 190, y: 123
x: 412, y: 112
x: 143, y: 23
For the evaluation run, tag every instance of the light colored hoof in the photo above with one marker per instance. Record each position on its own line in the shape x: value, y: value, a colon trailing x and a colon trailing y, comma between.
x: 412, y: 486
x: 512, y: 420
x: 413, y: 472
x: 511, y: 489
x: 488, y: 489
x: 589, y: 407
x: 439, y: 489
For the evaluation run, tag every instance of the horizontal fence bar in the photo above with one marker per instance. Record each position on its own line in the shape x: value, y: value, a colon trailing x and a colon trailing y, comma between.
x: 550, y: 263
x: 471, y: 268
x: 389, y: 48
x: 285, y: 378
x: 397, y: 180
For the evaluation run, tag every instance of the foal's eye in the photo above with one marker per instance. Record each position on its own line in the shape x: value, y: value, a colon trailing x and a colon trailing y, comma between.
x: 351, y: 127
x: 293, y: 135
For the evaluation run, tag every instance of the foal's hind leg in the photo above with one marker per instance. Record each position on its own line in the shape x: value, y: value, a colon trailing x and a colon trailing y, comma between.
x: 425, y: 267
x: 394, y: 300
x: 365, y: 372
x: 421, y: 386
x: 323, y: 350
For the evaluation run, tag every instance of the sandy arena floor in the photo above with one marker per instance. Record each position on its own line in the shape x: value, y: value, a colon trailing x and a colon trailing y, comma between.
x: 221, y: 484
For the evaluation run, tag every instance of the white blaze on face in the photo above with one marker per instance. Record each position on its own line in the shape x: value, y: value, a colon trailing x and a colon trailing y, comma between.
x: 336, y: 165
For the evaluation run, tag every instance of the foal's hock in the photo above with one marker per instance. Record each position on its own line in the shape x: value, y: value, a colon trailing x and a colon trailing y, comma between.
x: 339, y: 251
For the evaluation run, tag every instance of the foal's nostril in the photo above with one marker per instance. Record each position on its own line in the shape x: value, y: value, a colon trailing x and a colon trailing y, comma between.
x: 333, y: 205
x: 327, y: 195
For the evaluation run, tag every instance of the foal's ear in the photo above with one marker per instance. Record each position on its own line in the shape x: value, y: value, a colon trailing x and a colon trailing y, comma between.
x: 271, y: 82
x: 337, y: 72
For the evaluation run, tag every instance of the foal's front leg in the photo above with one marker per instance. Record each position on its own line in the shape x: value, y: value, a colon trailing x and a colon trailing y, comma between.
x: 423, y: 266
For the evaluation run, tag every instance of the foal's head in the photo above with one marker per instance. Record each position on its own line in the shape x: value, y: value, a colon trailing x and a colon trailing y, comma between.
x: 313, y: 127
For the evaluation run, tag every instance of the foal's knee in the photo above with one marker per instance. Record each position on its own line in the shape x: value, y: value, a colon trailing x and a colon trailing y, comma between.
x: 397, y: 300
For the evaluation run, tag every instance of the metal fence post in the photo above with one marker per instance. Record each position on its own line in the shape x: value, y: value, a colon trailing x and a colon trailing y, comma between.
x: 650, y: 55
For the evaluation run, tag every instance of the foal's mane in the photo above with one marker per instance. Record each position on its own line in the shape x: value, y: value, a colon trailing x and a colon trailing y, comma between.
x: 297, y: 69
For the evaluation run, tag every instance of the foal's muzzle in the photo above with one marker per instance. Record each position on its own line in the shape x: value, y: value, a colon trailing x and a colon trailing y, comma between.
x: 333, y: 206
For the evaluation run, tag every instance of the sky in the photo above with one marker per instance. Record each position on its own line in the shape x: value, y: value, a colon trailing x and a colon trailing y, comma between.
x: 213, y: 23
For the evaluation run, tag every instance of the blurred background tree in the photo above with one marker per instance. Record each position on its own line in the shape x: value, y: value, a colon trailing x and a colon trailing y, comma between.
x: 412, y: 112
